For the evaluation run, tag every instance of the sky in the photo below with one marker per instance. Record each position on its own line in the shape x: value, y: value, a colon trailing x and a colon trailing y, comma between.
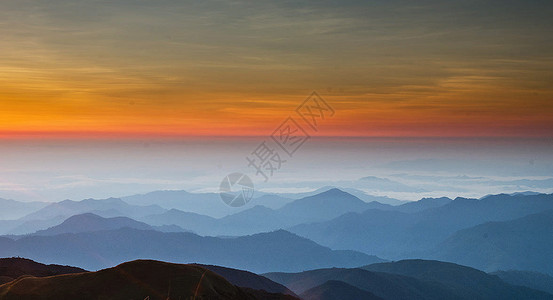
x: 113, y: 98
x: 235, y: 68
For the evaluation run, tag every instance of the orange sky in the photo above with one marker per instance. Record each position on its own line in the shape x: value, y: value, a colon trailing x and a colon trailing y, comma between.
x: 93, y: 70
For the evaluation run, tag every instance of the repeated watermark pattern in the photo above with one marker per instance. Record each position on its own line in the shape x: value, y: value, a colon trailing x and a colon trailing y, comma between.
x: 237, y: 189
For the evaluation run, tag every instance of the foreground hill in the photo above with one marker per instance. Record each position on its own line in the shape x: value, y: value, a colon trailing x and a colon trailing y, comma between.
x: 409, y: 279
x: 12, y: 268
x: 142, y: 279
x: 249, y: 280
x: 384, y: 285
x: 534, y: 280
x: 337, y: 290
x: 468, y: 283
x: 279, y: 250
x: 522, y: 244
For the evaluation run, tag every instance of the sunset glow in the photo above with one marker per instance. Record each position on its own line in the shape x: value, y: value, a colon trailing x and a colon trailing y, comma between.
x: 166, y: 69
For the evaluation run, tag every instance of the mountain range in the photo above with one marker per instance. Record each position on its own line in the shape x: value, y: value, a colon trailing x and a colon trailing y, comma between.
x: 398, y: 233
x: 53, y: 214
x: 209, y: 204
x: 101, y: 249
x: 324, y: 206
x: 244, y: 221
x: 521, y: 244
x: 490, y: 233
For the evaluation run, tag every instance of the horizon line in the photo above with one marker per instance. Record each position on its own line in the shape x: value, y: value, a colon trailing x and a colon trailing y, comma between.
x: 107, y: 135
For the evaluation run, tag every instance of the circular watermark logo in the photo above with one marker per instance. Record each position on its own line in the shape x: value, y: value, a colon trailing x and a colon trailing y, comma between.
x: 236, y: 189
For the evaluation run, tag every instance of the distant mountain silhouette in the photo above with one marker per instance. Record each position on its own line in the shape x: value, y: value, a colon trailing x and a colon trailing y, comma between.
x: 464, y: 213
x: 372, y: 231
x: 196, y: 223
x: 271, y: 201
x: 357, y: 193
x: 467, y: 282
x: 521, y: 244
x: 22, y: 226
x: 89, y: 222
x: 534, y: 280
x: 319, y: 207
x: 208, y: 204
x: 100, y: 249
x: 371, y: 198
x: 396, y: 234
x: 422, y: 204
x: 250, y: 221
x: 141, y: 279
x: 111, y: 207
x: 12, y: 268
x: 337, y: 290
x: 324, y: 206
x: 12, y: 209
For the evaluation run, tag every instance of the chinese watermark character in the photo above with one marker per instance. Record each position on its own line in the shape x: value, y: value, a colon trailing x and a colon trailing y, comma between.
x: 314, y: 108
x: 265, y: 159
x: 290, y: 136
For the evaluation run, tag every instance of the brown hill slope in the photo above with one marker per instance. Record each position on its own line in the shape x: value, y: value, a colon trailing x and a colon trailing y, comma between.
x: 14, y: 267
x: 138, y: 279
